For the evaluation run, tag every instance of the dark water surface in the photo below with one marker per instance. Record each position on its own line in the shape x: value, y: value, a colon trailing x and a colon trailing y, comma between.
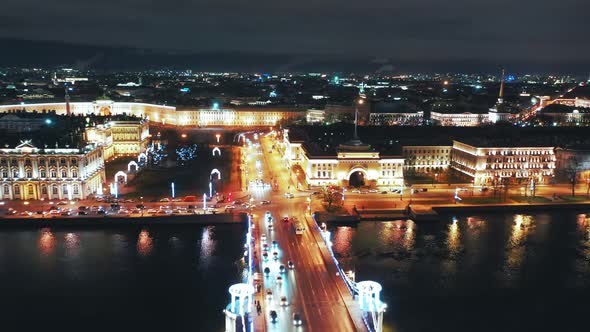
x: 501, y: 272
x: 151, y: 279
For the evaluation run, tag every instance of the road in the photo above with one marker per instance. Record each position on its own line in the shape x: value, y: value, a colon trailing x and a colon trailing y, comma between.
x: 308, y: 288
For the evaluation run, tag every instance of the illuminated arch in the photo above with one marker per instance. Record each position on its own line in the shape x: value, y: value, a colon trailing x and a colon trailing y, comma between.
x: 357, y: 169
x: 218, y: 151
x: 120, y: 173
x: 142, y: 158
x: 216, y: 171
x: 133, y: 164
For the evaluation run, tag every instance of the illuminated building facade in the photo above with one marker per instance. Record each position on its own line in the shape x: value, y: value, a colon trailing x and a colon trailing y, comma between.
x: 120, y: 138
x: 28, y: 172
x: 486, y: 164
x: 396, y: 119
x: 426, y: 159
x: 182, y: 116
x: 459, y: 119
x: 352, y: 162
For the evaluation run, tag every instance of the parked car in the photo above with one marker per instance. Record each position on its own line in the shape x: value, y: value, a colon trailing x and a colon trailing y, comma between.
x: 165, y: 199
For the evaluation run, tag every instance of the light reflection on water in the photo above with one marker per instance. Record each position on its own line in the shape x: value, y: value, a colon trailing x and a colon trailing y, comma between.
x: 488, y: 266
x: 61, y: 277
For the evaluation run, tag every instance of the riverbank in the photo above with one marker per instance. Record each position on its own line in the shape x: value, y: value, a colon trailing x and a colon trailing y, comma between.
x: 126, y: 221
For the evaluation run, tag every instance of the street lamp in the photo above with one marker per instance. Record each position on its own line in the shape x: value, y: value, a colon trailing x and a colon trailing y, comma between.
x: 217, y: 136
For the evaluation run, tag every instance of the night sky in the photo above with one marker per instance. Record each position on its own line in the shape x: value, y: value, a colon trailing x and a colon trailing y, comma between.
x: 500, y: 30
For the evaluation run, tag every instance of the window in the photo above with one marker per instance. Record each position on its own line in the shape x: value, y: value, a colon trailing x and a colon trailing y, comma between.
x: 13, y: 162
x: 16, y: 190
x: 75, y: 189
x: 64, y: 189
x: 62, y: 161
x: 15, y: 173
x: 4, y: 173
x: 6, y: 189
x: 42, y: 173
x: 27, y: 162
x: 41, y: 162
x: 30, y: 189
x: 64, y: 173
x: 3, y: 162
x: 53, y: 174
x: 51, y: 161
x: 29, y: 173
x: 44, y: 190
x: 74, y: 174
x: 74, y: 162
x: 54, y: 189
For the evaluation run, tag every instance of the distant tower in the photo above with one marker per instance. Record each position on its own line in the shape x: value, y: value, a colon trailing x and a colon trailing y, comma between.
x: 67, y: 97
x: 501, y: 94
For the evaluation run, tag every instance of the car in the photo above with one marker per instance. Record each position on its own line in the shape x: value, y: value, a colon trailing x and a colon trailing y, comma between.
x: 51, y: 208
x: 483, y: 189
x: 82, y: 208
x: 165, y: 199
x: 265, y: 202
x: 364, y: 192
x: 297, y: 319
x: 282, y: 268
x: 290, y: 265
x: 82, y: 213
x: 396, y: 191
x: 275, y: 255
x: 265, y: 256
x: 289, y: 195
x: 275, y: 244
x: 285, y: 219
x: 273, y: 316
x: 463, y: 189
x: 269, y: 293
x: 284, y: 301
x: 229, y: 207
x: 177, y: 200
x: 190, y: 206
x: 423, y: 190
x: 279, y: 279
x: 54, y: 212
x: 267, y: 271
x: 152, y: 211
x: 66, y: 213
x: 384, y: 192
x: 263, y: 237
x: 94, y: 208
x: 62, y: 203
x: 270, y: 226
x: 373, y: 191
x: 140, y: 206
x: 101, y: 212
x: 265, y: 247
x: 135, y: 211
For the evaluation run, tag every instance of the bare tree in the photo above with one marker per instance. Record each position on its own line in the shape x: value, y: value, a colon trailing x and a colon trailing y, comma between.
x: 572, y: 169
x: 330, y: 196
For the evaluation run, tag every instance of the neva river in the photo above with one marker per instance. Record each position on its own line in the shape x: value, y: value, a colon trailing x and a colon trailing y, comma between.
x: 153, y: 279
x: 500, y: 272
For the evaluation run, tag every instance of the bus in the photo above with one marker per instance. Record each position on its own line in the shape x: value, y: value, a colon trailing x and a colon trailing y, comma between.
x: 298, y: 227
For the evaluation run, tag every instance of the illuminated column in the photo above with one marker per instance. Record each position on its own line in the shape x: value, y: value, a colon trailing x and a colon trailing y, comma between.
x: 237, y: 313
x: 372, y: 308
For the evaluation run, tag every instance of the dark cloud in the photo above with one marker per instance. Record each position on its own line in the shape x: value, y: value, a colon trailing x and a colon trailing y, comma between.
x: 401, y: 29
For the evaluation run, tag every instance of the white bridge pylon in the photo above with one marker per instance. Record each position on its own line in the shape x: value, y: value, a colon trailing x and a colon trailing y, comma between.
x: 216, y: 171
x: 216, y: 149
x: 369, y: 297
